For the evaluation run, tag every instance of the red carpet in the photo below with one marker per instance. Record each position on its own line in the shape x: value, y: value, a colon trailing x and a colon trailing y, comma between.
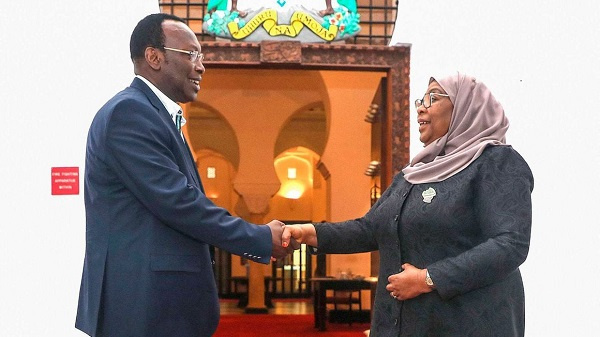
x: 249, y: 325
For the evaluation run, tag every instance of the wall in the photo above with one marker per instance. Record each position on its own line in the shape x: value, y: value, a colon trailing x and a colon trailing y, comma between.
x: 62, y: 60
x: 347, y: 154
x: 540, y: 59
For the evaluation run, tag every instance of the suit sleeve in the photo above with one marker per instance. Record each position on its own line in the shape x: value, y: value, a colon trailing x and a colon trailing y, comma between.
x: 145, y: 155
x: 502, y: 202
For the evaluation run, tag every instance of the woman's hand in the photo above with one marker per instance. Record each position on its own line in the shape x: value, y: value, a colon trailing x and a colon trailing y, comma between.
x: 303, y: 233
x: 407, y: 284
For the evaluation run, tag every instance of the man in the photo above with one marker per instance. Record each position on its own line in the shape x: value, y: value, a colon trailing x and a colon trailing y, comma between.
x: 147, y: 268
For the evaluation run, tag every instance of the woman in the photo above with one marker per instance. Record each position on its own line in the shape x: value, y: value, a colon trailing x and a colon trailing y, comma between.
x: 452, y: 229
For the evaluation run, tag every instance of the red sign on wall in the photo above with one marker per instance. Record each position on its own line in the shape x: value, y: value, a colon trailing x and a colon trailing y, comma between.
x: 65, y: 180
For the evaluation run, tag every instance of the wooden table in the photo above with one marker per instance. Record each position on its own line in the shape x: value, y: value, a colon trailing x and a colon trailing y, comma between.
x: 322, y: 284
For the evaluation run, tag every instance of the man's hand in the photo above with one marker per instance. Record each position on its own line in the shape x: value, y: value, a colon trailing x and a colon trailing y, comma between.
x: 279, y: 251
x: 297, y: 234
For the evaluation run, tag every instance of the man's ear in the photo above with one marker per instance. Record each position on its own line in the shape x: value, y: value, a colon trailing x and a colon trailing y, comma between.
x: 153, y: 57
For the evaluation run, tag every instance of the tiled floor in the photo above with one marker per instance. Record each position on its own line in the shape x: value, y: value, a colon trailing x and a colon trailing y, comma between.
x: 280, y: 307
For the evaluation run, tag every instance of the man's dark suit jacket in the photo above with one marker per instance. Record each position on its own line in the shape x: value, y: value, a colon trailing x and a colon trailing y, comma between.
x: 147, y: 268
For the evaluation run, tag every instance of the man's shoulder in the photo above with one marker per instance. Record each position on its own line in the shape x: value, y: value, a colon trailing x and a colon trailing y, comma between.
x: 131, y: 94
x: 136, y: 90
x: 129, y: 101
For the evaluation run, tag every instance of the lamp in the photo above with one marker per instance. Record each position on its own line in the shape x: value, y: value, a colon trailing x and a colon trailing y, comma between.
x: 372, y: 113
x: 375, y: 194
x: 373, y: 168
x: 373, y: 171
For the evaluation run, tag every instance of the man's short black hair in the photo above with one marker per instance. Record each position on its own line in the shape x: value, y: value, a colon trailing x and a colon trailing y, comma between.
x: 149, y: 33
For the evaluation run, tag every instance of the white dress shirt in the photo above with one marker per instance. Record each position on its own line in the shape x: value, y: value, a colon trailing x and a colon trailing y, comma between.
x: 172, y: 107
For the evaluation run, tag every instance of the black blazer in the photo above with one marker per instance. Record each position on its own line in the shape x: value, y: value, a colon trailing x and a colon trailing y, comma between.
x: 147, y: 268
x: 472, y: 238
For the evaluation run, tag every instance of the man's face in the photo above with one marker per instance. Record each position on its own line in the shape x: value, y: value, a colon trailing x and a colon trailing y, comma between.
x: 179, y: 76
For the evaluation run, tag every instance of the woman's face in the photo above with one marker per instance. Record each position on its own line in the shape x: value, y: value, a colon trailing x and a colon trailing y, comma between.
x: 434, y: 121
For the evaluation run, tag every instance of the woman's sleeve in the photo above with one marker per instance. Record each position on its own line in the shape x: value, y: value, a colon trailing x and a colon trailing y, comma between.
x: 358, y: 235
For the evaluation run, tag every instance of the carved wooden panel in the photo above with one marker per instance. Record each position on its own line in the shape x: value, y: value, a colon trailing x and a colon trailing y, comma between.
x: 280, y: 52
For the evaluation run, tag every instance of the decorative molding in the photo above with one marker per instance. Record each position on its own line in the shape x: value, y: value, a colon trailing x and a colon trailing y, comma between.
x: 280, y: 52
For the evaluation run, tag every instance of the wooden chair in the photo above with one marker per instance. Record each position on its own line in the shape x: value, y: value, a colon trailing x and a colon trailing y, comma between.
x: 341, y: 298
x: 345, y: 299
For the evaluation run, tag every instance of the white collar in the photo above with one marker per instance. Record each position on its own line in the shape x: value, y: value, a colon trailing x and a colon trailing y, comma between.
x: 172, y: 107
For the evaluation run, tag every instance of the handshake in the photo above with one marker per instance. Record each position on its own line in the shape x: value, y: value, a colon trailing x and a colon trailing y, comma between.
x: 287, y: 238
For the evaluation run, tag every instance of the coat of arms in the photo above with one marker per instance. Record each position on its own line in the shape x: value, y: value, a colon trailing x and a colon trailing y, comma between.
x: 302, y: 20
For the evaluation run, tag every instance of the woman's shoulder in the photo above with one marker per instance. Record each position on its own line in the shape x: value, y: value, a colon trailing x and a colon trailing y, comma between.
x: 398, y: 179
x: 502, y: 153
x: 504, y: 158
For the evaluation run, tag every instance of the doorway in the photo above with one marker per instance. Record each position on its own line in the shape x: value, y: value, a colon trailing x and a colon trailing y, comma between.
x: 241, y: 62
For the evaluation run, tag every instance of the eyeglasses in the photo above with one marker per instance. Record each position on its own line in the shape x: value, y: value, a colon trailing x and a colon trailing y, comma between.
x: 194, y: 54
x: 427, y: 102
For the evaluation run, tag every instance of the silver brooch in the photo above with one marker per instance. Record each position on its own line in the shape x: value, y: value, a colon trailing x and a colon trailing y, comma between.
x: 428, y: 195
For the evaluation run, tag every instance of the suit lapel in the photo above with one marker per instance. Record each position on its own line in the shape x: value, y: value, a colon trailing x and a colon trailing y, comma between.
x: 194, y: 169
x: 164, y: 114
